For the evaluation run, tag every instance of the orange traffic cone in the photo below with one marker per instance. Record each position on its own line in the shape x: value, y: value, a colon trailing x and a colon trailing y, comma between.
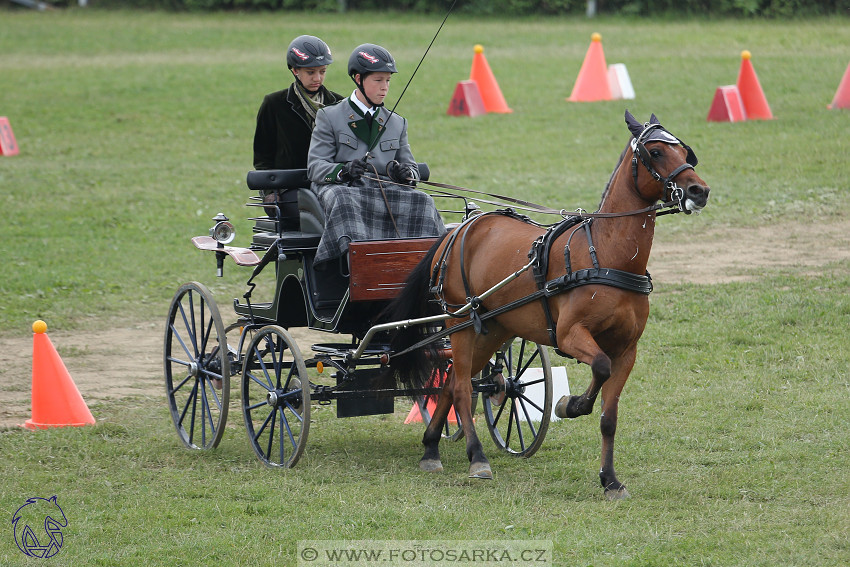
x: 8, y: 145
x: 751, y: 94
x: 56, y: 401
x: 491, y: 94
x: 592, y: 81
x: 842, y: 95
x: 415, y: 414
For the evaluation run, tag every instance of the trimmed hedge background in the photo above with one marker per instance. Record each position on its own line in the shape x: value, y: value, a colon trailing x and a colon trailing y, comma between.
x: 653, y: 8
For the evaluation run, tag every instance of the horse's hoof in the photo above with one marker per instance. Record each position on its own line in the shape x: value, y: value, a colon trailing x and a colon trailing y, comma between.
x: 561, y: 407
x: 480, y: 470
x: 618, y: 494
x: 431, y: 465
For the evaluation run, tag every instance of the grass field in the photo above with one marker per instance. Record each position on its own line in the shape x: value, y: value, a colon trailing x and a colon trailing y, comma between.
x: 136, y: 128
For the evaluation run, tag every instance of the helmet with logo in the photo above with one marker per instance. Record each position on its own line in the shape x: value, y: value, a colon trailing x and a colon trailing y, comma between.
x: 370, y: 58
x: 308, y: 51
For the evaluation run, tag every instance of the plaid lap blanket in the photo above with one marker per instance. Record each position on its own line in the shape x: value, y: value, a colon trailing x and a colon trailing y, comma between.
x: 359, y: 213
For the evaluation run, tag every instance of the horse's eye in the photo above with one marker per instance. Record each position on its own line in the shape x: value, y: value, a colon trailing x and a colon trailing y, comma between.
x: 655, y: 154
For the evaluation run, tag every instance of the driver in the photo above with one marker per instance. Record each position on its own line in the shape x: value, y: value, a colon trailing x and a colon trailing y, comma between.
x: 361, y: 166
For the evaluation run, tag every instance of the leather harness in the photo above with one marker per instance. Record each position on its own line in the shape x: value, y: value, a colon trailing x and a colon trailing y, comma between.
x: 539, y: 257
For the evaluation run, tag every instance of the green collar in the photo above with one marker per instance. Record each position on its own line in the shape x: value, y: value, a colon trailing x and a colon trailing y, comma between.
x: 361, y: 128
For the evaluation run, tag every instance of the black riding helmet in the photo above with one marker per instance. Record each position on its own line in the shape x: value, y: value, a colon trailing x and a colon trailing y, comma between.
x: 308, y: 51
x: 369, y: 58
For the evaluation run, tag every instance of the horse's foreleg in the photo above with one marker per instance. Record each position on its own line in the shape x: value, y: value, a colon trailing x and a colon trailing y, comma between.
x: 580, y: 344
x: 430, y: 461
x: 614, y: 489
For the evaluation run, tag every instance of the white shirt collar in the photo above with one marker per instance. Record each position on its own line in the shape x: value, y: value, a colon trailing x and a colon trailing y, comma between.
x: 360, y: 105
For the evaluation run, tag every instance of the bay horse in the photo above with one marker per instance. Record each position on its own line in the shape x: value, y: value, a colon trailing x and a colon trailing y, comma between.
x: 589, y: 298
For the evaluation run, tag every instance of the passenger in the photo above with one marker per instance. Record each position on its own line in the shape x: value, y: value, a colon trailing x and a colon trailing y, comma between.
x: 361, y: 166
x: 286, y: 118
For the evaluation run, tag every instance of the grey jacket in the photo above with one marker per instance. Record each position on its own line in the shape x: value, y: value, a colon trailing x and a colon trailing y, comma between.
x: 342, y: 134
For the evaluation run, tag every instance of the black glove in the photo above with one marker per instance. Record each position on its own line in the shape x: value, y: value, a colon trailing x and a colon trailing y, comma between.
x: 400, y: 173
x: 352, y: 170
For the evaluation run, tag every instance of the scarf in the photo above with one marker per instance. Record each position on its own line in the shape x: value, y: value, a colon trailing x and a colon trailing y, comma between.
x: 311, y: 103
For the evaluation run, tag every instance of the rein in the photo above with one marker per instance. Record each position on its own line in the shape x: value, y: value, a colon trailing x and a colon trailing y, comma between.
x: 674, y: 204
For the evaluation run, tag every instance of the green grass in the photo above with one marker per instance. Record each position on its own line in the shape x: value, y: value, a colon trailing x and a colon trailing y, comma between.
x: 136, y: 128
x: 732, y: 439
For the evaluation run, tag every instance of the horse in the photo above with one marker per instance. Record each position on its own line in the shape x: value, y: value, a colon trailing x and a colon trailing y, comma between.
x: 576, y: 305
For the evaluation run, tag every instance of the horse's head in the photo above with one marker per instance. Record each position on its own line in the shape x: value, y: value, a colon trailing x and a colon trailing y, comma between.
x: 669, y: 166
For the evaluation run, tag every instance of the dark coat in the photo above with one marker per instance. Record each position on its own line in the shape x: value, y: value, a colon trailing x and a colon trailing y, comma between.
x: 282, y: 137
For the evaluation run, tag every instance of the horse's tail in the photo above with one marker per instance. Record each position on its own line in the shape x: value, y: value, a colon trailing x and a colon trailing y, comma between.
x: 413, y: 369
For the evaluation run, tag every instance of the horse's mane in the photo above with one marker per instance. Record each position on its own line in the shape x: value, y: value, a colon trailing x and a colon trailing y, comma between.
x: 610, y: 179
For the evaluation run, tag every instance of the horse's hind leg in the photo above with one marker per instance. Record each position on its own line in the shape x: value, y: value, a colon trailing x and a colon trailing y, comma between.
x: 471, y: 353
x: 479, y: 466
x: 430, y: 461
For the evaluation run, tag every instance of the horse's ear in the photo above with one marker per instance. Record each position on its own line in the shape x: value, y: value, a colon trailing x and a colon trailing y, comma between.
x: 635, y: 127
x: 653, y: 119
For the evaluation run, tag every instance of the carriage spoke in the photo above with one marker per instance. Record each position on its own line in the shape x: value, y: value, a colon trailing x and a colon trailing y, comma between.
x: 525, y: 399
x: 174, y: 390
x: 511, y: 413
x: 528, y: 421
x: 268, y: 387
x: 194, y: 412
x: 208, y: 408
x: 189, y: 400
x: 263, y: 427
x: 273, y: 415
x: 515, y: 414
x: 176, y: 334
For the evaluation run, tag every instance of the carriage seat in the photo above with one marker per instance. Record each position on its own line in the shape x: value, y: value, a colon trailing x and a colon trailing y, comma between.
x: 302, y: 214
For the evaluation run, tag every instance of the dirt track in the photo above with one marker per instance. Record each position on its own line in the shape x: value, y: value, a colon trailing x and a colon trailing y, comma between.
x: 120, y: 362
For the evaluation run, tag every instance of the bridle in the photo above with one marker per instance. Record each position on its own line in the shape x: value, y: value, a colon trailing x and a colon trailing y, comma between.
x: 639, y: 152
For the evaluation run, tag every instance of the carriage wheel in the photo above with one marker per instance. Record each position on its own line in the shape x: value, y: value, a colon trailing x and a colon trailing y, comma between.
x: 516, y: 422
x: 275, y: 397
x: 197, y: 367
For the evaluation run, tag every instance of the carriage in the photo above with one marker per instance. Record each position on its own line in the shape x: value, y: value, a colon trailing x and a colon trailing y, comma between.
x: 507, y: 288
x: 204, y: 349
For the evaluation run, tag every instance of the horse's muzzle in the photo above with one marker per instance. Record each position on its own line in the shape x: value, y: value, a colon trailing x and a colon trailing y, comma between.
x: 696, y: 197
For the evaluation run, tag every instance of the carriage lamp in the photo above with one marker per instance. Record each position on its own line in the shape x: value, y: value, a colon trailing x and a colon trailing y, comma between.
x: 223, y: 233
